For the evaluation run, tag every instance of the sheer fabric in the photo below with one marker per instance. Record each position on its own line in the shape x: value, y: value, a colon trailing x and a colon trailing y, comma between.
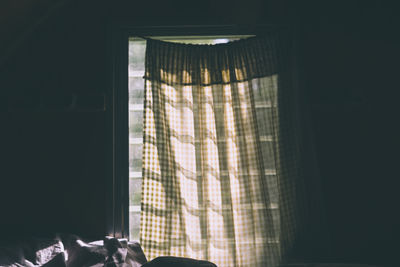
x: 214, y: 187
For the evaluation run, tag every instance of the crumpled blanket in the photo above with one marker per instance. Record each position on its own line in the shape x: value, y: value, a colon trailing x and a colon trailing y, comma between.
x: 71, y: 251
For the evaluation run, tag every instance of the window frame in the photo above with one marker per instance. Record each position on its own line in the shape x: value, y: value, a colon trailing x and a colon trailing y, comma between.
x: 117, y: 108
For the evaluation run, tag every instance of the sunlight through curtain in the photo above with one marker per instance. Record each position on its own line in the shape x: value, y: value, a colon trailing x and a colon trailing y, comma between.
x: 213, y: 183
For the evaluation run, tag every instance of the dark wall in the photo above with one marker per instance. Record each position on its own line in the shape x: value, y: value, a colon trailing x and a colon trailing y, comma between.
x: 54, y: 162
x: 350, y: 60
x: 53, y: 159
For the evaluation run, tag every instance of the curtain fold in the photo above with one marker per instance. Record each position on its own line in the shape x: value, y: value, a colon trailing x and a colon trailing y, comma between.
x: 221, y: 174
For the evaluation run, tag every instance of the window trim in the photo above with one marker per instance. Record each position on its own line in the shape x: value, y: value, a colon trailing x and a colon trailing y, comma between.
x: 117, y: 108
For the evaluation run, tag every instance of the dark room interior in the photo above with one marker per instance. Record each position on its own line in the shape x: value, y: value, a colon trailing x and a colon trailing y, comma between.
x: 54, y: 159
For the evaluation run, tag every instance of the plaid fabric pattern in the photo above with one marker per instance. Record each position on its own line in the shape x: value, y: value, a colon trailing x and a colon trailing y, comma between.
x: 211, y: 153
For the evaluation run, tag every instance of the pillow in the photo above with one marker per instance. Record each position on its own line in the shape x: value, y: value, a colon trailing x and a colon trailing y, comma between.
x: 80, y: 254
x: 46, y: 250
x: 116, y: 251
x: 124, y: 253
x: 135, y: 256
x: 57, y: 261
x: 108, y: 252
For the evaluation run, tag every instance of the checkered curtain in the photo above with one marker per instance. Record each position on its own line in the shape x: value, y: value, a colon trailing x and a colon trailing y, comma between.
x: 211, y: 154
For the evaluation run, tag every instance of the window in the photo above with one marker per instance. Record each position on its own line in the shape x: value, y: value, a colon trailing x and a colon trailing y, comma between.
x: 125, y: 113
x: 137, y: 47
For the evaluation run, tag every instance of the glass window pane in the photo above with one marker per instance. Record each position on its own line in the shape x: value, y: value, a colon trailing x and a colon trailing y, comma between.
x: 135, y: 189
x: 136, y: 100
x: 135, y: 124
x: 137, y: 51
x: 136, y: 97
x: 136, y: 83
x: 134, y: 225
x: 265, y: 89
x: 135, y: 151
x: 268, y: 154
x: 135, y: 165
x: 135, y: 157
x: 265, y: 122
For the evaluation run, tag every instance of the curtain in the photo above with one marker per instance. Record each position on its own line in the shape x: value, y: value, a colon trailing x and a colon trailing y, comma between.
x: 220, y: 156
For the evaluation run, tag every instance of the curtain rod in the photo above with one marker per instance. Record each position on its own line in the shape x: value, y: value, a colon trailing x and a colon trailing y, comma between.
x: 191, y: 37
x: 209, y: 26
x: 188, y: 30
x: 212, y: 26
x: 128, y: 23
